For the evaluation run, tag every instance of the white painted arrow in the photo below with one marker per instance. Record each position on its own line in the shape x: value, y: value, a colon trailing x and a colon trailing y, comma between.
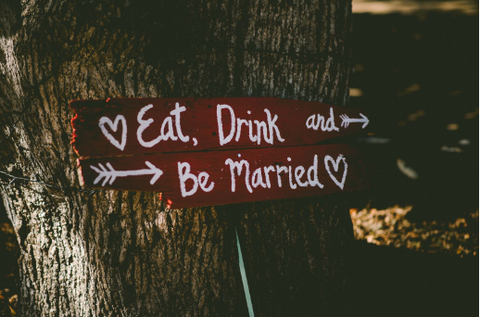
x: 346, y: 120
x: 111, y: 174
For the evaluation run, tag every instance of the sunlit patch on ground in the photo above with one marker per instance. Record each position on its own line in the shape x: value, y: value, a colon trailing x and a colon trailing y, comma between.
x: 390, y: 227
x: 356, y: 92
x: 409, y: 7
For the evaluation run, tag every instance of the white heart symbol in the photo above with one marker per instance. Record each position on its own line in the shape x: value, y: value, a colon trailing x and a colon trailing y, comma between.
x: 336, y: 164
x: 114, y: 127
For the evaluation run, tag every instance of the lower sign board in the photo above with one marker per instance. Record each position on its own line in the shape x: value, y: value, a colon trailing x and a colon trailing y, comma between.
x: 194, y: 179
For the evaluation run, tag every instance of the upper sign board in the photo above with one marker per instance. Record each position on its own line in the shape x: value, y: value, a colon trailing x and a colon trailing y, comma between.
x: 156, y: 125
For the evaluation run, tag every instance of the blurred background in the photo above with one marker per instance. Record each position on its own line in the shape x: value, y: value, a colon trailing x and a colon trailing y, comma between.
x: 416, y: 75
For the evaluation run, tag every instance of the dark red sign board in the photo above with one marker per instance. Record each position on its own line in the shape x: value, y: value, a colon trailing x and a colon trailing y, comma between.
x: 200, y: 152
x: 224, y: 177
x: 157, y: 125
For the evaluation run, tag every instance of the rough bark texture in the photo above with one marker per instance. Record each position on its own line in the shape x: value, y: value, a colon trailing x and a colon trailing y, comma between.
x: 107, y: 253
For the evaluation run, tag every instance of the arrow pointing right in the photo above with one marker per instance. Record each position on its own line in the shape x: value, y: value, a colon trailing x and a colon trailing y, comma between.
x: 109, y: 175
x: 346, y: 120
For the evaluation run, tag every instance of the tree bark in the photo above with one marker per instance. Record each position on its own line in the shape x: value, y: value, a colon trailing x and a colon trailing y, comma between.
x: 109, y: 253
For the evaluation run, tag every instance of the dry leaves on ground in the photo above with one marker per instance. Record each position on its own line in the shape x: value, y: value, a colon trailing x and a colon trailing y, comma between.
x: 391, y: 228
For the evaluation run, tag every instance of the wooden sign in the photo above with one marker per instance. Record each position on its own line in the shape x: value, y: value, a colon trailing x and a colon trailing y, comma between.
x: 156, y: 125
x: 200, y: 152
x: 224, y: 177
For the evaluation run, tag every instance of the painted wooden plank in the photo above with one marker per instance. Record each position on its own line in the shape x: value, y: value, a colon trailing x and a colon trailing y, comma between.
x: 194, y: 179
x: 116, y: 127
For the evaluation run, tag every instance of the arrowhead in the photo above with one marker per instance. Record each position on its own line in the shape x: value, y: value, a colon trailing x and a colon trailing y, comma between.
x: 156, y: 172
x: 366, y: 121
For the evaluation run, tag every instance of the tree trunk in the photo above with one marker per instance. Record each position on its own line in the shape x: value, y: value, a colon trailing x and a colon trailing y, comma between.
x: 113, y: 253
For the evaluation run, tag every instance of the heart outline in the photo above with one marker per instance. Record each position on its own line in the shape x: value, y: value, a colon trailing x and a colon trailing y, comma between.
x: 114, y: 126
x: 336, y: 164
